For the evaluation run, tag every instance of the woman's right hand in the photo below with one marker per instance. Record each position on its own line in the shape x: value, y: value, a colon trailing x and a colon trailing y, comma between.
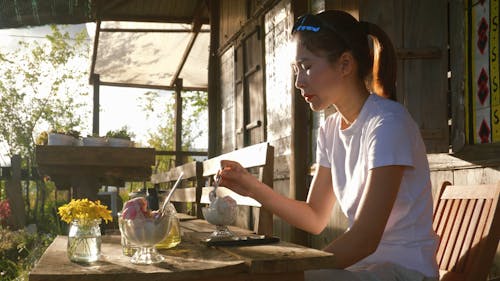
x: 237, y: 178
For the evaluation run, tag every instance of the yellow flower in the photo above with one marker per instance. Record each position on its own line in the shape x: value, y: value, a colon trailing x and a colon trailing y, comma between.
x: 84, y: 210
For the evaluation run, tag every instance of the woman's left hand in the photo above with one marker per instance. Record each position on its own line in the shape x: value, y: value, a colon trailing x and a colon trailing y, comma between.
x: 236, y: 178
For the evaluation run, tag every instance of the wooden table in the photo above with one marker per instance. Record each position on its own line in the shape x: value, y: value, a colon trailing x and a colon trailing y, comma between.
x: 190, y: 260
x: 87, y: 168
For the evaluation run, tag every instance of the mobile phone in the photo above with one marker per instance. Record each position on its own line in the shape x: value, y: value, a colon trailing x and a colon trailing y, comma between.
x: 242, y: 240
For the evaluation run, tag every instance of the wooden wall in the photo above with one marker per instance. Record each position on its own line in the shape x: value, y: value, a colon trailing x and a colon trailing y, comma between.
x: 419, y: 30
x: 279, y: 89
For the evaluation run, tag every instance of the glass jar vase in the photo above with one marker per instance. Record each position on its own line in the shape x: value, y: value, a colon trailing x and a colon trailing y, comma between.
x: 84, y: 241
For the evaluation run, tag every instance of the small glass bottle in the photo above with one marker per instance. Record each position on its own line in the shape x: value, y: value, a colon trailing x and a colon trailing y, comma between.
x: 174, y: 236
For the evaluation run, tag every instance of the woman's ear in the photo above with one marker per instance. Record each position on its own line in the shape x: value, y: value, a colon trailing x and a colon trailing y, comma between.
x: 347, y: 63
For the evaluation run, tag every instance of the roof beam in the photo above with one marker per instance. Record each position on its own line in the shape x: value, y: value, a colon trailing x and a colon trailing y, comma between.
x: 196, y: 30
x: 151, y: 30
x: 157, y: 87
x: 94, y: 53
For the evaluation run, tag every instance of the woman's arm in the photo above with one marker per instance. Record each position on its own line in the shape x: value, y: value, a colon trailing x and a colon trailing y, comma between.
x: 376, y: 204
x: 311, y: 216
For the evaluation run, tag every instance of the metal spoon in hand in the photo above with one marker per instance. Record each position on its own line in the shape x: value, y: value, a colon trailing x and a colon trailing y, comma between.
x: 213, y: 194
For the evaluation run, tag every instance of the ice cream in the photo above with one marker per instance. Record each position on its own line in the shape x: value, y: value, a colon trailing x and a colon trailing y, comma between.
x: 221, y: 211
x: 137, y: 207
x: 141, y: 226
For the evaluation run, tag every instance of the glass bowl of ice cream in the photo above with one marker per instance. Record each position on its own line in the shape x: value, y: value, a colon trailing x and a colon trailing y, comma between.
x: 221, y: 212
x: 144, y: 229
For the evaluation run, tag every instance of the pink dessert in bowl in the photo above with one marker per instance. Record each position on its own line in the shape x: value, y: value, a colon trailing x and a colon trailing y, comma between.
x: 144, y: 229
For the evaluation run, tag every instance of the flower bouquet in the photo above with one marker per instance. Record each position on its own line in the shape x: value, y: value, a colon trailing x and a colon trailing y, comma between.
x: 84, y: 237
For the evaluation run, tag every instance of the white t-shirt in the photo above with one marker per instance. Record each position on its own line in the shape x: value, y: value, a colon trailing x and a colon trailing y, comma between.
x: 384, y: 134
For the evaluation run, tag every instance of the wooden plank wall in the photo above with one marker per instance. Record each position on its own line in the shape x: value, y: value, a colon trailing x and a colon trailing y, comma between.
x: 232, y: 18
x: 418, y: 30
x: 227, y: 100
x: 278, y: 99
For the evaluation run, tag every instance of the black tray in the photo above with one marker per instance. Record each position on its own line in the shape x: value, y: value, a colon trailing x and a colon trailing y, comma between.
x: 242, y: 240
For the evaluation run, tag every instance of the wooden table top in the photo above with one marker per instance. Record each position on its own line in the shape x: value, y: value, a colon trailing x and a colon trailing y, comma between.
x: 190, y: 260
x: 129, y: 163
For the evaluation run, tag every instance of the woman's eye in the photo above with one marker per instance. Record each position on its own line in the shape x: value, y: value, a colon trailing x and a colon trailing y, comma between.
x: 307, y: 68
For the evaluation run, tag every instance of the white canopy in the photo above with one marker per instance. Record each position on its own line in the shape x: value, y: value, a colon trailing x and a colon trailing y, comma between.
x: 151, y: 55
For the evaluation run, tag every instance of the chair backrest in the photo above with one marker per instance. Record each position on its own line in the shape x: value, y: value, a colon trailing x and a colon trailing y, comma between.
x: 466, y: 218
x: 259, y: 157
x: 190, y: 189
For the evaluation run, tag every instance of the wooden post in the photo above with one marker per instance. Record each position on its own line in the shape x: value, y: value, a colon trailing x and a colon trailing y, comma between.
x: 178, y: 122
x: 17, y: 219
x: 214, y: 111
x: 298, y: 157
x: 95, y: 121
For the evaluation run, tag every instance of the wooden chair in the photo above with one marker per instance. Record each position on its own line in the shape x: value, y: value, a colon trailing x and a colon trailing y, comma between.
x: 466, y: 218
x: 189, y: 192
x: 259, y: 159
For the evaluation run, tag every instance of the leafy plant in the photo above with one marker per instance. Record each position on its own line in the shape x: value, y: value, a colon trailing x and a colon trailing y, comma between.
x: 19, y: 251
x: 72, y: 133
x: 122, y: 133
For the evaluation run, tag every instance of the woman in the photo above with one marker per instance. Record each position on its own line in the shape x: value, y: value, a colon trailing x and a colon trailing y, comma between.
x: 370, y: 155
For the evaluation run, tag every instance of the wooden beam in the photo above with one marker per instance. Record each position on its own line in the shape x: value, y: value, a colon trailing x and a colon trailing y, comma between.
x: 419, y: 53
x: 178, y: 122
x: 95, y: 113
x: 143, y: 86
x: 182, y: 153
x: 151, y: 18
x: 94, y: 52
x: 151, y: 30
x: 14, y: 194
x: 196, y: 30
x: 298, y: 157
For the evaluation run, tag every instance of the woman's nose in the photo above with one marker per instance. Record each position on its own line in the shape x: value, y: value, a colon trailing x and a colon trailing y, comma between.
x: 299, y: 80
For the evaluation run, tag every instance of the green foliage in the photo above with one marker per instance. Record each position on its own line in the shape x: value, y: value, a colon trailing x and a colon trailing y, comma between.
x: 123, y: 133
x: 19, y: 250
x: 42, y: 84
x: 195, y: 108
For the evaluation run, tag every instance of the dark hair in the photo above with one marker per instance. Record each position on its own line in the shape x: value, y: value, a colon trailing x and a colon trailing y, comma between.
x: 343, y: 33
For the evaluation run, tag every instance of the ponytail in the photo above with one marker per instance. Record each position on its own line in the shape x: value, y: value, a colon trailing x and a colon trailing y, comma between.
x: 384, y: 62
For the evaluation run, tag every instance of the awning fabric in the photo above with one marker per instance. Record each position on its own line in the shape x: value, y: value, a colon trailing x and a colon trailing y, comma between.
x: 149, y: 48
x: 151, y: 54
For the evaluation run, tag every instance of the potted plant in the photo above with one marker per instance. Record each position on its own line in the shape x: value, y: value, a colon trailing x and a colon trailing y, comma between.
x: 63, y: 137
x: 94, y: 140
x: 121, y: 137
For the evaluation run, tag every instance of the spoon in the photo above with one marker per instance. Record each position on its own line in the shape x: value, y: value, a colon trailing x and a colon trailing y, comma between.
x: 212, y: 195
x: 165, y: 203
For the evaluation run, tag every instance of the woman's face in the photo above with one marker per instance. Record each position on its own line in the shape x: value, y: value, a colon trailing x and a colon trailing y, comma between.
x: 318, y: 79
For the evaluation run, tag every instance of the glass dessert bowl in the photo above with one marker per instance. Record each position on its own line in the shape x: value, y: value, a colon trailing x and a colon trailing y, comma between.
x: 221, y: 212
x: 144, y: 229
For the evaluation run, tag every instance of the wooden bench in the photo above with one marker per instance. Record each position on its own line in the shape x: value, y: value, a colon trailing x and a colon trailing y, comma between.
x: 466, y: 218
x: 189, y: 191
x: 259, y: 160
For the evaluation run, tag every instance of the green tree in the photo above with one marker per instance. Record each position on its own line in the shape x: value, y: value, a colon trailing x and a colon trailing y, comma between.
x: 42, y: 84
x: 194, y: 122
